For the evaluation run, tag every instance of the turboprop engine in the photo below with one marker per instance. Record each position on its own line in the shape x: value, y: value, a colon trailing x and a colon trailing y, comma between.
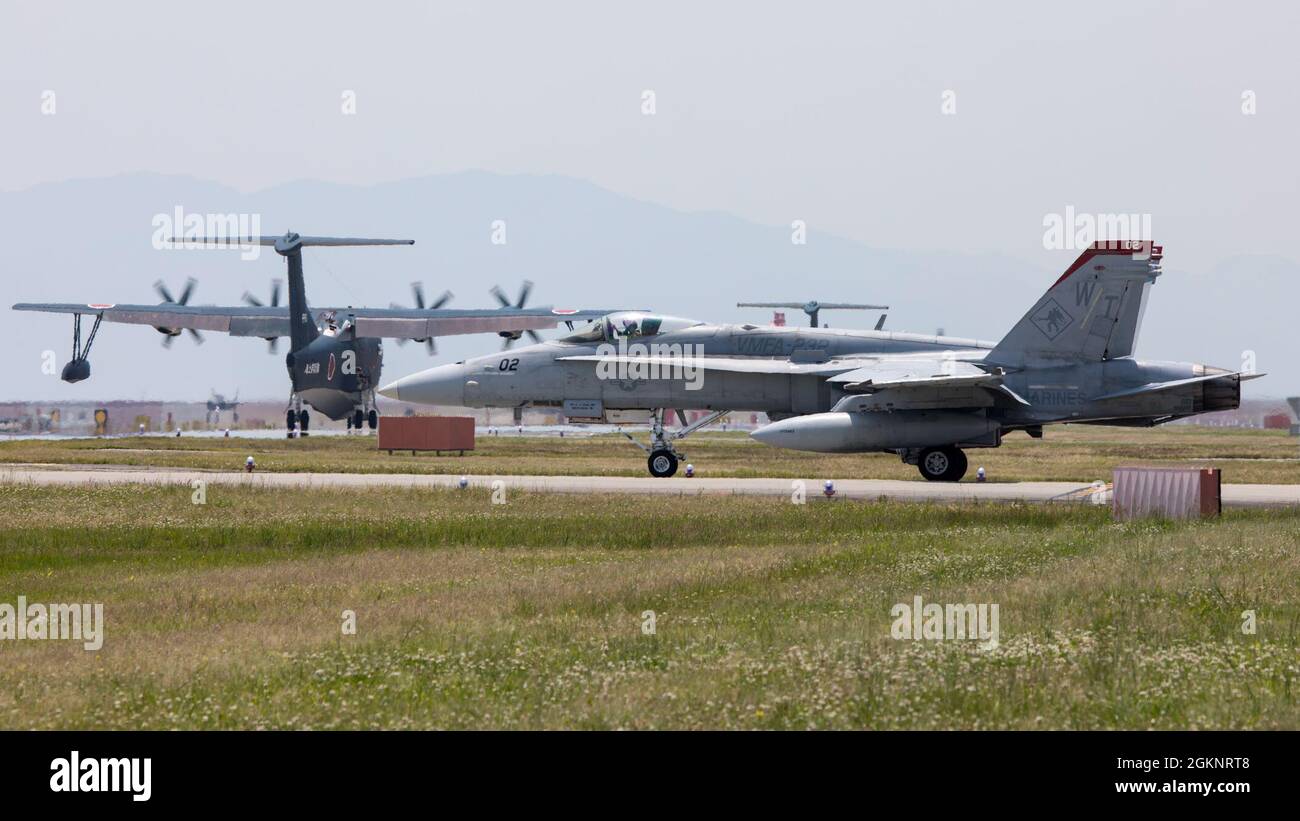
x: 873, y: 431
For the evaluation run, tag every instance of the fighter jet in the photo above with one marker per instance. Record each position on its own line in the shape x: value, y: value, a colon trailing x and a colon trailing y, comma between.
x: 638, y: 361
x: 336, y: 356
x: 927, y: 399
x: 1068, y: 360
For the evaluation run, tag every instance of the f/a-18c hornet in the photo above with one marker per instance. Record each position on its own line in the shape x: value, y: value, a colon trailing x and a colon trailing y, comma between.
x: 335, y: 355
x: 925, y: 398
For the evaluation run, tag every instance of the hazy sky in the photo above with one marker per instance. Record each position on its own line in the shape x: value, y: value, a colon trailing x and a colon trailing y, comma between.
x: 825, y: 112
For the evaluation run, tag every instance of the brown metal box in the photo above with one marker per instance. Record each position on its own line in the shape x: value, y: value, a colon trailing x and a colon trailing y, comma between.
x: 436, y: 433
x: 1167, y: 492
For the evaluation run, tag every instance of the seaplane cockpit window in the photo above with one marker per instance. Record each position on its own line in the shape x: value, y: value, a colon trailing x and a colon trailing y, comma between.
x: 593, y: 332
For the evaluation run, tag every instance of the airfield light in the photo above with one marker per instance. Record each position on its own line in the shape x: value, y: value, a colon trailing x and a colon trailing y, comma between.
x: 980, y: 475
x: 828, y: 489
x: 463, y: 483
x: 690, y: 471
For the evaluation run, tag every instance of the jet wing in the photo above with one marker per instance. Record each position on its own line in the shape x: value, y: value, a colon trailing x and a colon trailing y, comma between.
x: 921, y: 383
x: 394, y: 323
x: 722, y: 363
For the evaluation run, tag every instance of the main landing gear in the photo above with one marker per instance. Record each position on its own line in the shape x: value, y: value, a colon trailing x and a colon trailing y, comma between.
x: 361, y: 416
x: 663, y: 457
x: 296, y: 417
x: 945, y: 464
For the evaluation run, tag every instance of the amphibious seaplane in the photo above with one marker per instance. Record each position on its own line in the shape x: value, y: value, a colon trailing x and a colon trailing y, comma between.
x: 335, y: 355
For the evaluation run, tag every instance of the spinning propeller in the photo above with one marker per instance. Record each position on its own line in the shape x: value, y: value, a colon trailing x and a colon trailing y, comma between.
x: 272, y: 342
x: 511, y: 336
x: 172, y: 333
x: 417, y: 291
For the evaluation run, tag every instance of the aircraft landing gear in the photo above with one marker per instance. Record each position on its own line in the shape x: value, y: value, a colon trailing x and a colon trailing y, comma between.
x: 372, y: 419
x: 946, y: 464
x: 663, y: 457
x: 295, y: 417
x: 355, y: 420
x: 662, y: 463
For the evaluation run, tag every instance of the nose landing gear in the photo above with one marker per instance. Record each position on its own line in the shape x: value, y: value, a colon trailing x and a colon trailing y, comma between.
x: 663, y: 457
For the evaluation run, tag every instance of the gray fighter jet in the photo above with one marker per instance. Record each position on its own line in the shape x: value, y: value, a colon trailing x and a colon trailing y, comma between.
x: 926, y: 398
x: 637, y: 361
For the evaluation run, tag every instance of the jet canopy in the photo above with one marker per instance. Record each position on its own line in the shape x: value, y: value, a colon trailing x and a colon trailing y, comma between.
x: 628, y: 325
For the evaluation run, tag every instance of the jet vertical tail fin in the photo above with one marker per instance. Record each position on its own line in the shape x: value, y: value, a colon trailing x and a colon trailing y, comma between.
x: 1093, y: 312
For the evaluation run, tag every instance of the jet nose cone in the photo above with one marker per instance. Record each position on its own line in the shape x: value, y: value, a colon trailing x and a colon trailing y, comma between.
x: 443, y: 385
x: 818, y: 432
x: 775, y: 434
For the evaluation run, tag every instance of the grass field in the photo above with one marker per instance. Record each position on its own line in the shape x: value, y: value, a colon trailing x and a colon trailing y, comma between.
x: 529, y: 614
x: 1067, y: 453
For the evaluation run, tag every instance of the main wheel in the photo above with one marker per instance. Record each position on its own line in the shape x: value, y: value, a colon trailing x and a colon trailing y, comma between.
x: 357, y: 418
x: 290, y: 419
x: 942, y: 464
x: 662, y: 463
x: 303, y: 420
x: 372, y: 419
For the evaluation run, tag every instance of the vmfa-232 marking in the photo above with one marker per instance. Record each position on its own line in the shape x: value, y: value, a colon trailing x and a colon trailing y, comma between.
x: 1069, y: 359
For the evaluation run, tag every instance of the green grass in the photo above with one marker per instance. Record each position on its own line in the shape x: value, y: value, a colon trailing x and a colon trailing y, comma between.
x: 1067, y: 453
x: 529, y: 614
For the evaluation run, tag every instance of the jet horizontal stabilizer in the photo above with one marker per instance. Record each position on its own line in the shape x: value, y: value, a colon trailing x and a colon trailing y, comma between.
x: 1155, y: 387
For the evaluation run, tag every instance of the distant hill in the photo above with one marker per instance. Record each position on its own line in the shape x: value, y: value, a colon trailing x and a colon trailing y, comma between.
x: 90, y: 240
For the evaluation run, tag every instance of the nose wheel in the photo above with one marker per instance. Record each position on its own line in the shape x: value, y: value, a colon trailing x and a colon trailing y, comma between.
x: 662, y: 463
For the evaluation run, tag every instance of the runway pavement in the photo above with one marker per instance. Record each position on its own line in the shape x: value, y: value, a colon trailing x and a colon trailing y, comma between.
x: 967, y: 491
